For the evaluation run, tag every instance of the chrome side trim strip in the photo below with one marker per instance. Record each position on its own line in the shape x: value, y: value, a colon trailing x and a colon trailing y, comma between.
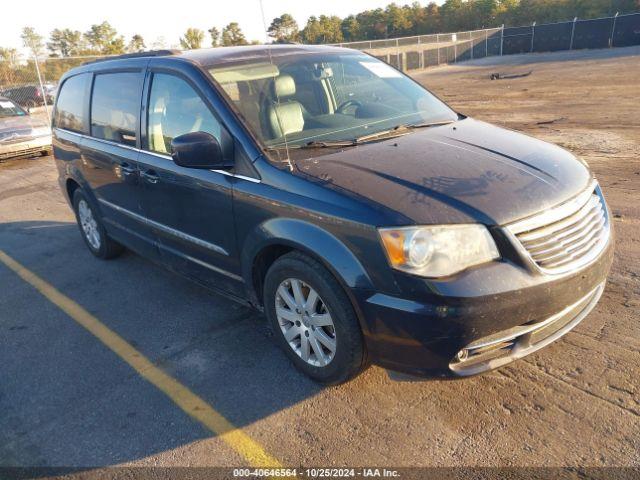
x: 155, y: 154
x: 69, y: 132
x: 242, y: 177
x: 171, y: 231
x: 176, y: 252
x: 113, y: 144
x: 203, y: 264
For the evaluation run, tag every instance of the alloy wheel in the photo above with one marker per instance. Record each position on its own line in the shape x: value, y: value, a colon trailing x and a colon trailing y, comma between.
x: 305, y: 322
x: 89, y: 224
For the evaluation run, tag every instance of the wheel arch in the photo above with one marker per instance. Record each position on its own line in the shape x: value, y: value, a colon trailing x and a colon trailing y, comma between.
x: 75, y: 181
x: 279, y: 236
x: 71, y: 185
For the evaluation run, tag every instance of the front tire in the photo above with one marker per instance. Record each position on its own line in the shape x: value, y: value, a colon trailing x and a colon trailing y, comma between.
x: 92, y: 230
x: 313, y: 320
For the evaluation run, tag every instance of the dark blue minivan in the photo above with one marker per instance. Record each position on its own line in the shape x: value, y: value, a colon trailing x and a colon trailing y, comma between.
x: 369, y: 221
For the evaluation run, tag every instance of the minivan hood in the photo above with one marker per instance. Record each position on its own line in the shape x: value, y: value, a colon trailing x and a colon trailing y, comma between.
x: 469, y: 171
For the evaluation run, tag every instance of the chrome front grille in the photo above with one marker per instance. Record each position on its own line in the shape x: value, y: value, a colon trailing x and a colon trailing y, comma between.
x: 567, y: 237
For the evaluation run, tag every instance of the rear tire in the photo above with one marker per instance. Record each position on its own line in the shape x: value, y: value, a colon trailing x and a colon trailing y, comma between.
x: 92, y: 230
x: 324, y: 339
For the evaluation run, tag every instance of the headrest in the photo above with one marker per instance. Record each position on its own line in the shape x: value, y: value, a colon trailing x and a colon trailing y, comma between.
x: 283, y: 86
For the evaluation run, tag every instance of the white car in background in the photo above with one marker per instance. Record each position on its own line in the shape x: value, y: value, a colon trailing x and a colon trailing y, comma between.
x: 22, y: 134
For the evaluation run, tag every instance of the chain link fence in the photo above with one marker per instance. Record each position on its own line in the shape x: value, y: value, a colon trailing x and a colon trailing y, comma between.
x: 32, y: 84
x: 616, y: 31
x: 422, y: 51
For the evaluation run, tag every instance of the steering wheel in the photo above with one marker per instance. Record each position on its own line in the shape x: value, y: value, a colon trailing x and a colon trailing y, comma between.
x: 349, y: 103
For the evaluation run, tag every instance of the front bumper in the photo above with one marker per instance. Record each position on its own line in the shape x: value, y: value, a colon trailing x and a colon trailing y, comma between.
x: 506, y: 346
x: 500, y: 305
x: 33, y: 146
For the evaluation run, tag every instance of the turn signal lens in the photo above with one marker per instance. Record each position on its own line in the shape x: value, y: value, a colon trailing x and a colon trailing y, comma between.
x: 394, y: 244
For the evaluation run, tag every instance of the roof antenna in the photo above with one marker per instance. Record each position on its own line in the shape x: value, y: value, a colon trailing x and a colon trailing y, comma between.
x: 264, y: 23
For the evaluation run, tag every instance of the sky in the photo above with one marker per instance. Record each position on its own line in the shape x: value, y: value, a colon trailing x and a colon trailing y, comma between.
x: 162, y: 19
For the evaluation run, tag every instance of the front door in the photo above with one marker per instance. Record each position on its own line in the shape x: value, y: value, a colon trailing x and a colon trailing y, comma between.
x: 190, y: 210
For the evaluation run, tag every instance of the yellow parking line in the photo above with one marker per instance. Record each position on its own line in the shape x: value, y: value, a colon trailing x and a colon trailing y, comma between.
x: 188, y: 401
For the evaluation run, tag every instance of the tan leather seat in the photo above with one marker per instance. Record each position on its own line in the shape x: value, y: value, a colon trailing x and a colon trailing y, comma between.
x: 284, y: 115
x: 156, y: 136
x: 249, y: 105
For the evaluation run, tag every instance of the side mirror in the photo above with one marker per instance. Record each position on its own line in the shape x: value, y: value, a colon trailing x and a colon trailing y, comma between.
x: 198, y: 150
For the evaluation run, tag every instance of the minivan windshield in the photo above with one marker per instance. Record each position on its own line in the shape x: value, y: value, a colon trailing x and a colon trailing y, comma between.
x: 329, y: 99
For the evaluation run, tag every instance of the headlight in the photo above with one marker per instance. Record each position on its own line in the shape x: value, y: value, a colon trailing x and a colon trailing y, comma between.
x: 438, y: 251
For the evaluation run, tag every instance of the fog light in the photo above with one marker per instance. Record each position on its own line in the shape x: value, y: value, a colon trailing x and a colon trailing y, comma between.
x: 462, y: 355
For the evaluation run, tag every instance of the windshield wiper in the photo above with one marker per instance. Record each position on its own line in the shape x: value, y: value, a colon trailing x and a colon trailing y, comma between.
x: 329, y: 144
x: 432, y: 124
x: 390, y: 133
x: 316, y: 144
x: 396, y: 131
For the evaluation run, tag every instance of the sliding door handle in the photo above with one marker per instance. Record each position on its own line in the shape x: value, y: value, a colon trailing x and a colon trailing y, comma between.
x: 127, y: 169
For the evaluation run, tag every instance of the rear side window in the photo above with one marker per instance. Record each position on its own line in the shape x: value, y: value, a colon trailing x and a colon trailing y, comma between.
x: 70, y: 103
x: 115, y: 104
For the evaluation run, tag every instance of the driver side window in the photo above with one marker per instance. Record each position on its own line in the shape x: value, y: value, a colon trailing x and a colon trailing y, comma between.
x: 175, y: 109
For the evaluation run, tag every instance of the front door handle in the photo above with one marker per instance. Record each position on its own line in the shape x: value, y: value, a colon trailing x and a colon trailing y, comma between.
x: 150, y: 176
